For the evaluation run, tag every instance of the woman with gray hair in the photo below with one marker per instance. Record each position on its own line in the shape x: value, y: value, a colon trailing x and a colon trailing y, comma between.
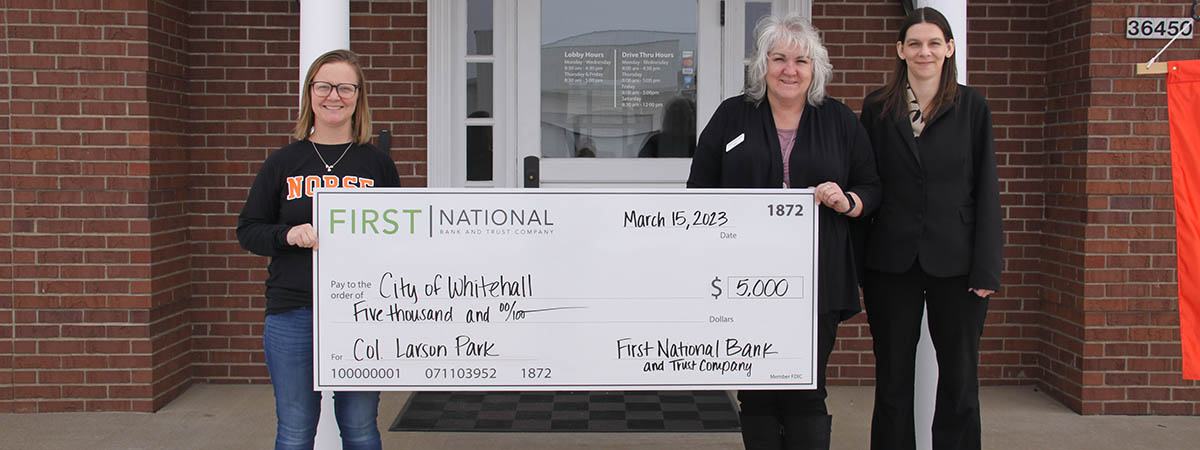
x: 785, y: 132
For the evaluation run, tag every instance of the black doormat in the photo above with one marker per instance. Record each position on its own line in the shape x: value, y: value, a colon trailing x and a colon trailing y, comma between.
x: 628, y: 411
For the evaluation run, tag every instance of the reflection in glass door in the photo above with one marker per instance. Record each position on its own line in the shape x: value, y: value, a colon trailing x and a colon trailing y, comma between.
x: 618, y: 78
x: 480, y: 90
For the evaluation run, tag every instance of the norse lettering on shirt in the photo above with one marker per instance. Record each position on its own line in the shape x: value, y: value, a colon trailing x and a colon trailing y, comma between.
x: 303, y: 186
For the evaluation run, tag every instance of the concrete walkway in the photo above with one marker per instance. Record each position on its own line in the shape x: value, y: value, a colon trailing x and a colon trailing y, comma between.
x: 242, y: 417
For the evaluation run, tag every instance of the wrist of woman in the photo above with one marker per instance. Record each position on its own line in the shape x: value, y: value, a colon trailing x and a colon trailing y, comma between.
x: 852, y: 202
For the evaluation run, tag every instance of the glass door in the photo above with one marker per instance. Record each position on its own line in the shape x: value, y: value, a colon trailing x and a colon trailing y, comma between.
x: 595, y: 93
x: 615, y: 84
x: 618, y: 89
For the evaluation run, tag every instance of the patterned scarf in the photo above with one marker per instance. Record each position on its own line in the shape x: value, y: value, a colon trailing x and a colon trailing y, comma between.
x: 914, y: 113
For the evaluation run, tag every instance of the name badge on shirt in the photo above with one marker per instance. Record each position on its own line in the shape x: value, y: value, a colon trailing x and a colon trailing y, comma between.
x: 735, y: 142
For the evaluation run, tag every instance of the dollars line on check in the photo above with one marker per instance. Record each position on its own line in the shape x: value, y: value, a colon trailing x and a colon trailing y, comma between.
x: 364, y: 312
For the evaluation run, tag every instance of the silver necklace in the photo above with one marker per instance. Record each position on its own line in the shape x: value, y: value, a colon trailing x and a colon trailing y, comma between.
x: 328, y: 166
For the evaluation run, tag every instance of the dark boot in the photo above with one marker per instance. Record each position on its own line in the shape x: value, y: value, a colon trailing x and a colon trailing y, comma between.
x: 761, y: 432
x: 807, y: 432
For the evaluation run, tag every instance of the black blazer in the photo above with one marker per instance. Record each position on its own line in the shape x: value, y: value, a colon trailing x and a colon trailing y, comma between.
x: 941, y: 195
x: 830, y: 145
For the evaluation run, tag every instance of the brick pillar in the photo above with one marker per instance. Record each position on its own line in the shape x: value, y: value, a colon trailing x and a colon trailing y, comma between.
x: 169, y: 237
x: 99, y: 273
x: 1111, y: 342
x: 6, y: 211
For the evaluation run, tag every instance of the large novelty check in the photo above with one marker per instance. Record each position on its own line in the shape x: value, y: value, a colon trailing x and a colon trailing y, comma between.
x: 420, y: 289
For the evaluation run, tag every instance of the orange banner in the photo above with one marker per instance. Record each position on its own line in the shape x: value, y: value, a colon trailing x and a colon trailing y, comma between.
x: 1183, y: 107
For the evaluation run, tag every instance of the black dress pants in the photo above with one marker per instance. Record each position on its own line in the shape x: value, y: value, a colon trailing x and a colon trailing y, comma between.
x: 771, y: 417
x: 956, y: 315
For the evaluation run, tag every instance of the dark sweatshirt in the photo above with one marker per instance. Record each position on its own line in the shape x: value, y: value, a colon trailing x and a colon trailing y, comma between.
x: 281, y: 197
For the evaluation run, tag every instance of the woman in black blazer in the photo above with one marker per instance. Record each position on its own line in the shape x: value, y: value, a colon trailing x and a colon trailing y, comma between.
x: 935, y: 243
x: 784, y: 132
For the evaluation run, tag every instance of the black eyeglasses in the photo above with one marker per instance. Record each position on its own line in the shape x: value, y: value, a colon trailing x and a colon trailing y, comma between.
x: 344, y: 90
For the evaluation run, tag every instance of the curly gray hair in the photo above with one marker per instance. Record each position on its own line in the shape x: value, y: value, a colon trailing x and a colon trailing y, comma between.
x: 794, y: 29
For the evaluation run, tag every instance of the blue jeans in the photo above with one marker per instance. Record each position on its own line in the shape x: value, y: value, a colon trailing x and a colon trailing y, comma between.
x: 288, y: 342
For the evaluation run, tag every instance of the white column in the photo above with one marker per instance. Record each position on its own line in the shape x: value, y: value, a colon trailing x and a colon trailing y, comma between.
x: 444, y: 110
x: 324, y: 26
x: 955, y: 12
x: 927, y: 368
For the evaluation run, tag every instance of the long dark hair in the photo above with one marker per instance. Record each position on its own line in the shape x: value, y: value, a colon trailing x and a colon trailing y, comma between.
x: 893, y: 95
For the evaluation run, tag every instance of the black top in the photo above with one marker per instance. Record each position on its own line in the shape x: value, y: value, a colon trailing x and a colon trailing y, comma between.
x: 941, y: 195
x: 830, y: 146
x: 668, y: 145
x: 281, y: 197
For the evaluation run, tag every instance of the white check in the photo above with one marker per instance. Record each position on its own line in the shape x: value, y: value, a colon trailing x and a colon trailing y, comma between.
x: 422, y: 289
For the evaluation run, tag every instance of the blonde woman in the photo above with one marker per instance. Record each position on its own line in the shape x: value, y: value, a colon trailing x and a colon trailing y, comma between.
x: 331, y: 150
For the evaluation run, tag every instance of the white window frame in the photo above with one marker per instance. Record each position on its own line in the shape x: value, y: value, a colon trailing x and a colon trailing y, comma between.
x: 514, y: 22
x: 446, y: 75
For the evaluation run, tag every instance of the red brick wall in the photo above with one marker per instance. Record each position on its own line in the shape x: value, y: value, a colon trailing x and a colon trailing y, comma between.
x: 100, y: 275
x: 6, y: 210
x: 241, y: 97
x: 170, y: 277
x: 858, y: 52
x: 1061, y: 340
x: 1112, y: 340
x: 81, y: 250
x: 1007, y: 63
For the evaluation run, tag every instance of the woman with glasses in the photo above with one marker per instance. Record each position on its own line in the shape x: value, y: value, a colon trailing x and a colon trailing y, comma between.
x: 331, y: 150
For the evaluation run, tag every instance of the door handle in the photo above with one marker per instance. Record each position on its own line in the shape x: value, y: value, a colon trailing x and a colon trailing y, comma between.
x: 532, y: 179
x: 385, y: 142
